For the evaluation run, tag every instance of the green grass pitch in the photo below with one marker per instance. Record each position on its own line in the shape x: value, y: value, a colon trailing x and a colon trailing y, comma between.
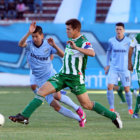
x: 46, y: 124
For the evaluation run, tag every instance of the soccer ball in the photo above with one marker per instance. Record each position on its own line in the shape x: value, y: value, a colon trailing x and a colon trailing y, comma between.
x: 2, y: 120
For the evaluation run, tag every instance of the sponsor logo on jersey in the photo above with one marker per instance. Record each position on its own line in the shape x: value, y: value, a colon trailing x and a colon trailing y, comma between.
x: 120, y: 51
x: 39, y: 58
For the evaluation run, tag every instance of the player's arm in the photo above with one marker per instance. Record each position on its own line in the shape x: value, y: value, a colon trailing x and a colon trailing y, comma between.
x: 51, y: 56
x: 130, y: 67
x: 107, y: 61
x: 22, y: 42
x: 89, y: 52
x: 59, y: 51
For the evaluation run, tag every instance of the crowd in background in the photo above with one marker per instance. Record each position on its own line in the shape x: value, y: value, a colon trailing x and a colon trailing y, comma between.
x: 14, y: 9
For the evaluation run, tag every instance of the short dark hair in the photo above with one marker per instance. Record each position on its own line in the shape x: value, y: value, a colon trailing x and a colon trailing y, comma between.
x: 120, y: 24
x: 75, y: 24
x: 38, y: 29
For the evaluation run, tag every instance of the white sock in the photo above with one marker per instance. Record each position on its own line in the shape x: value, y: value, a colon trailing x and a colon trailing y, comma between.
x: 66, y: 100
x: 110, y: 97
x: 68, y: 113
x: 128, y: 97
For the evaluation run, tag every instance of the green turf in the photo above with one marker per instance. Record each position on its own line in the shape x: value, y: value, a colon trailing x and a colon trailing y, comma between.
x: 46, y: 124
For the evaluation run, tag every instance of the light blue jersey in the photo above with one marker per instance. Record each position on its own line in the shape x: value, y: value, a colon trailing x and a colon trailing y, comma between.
x: 119, y: 53
x: 39, y: 59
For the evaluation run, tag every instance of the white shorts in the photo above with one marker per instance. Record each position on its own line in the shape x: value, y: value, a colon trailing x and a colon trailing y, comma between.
x: 124, y: 77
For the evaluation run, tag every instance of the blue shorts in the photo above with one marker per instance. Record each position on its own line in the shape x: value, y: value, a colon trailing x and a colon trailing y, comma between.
x: 124, y: 76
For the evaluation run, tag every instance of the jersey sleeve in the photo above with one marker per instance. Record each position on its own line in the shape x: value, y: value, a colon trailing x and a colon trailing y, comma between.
x: 133, y: 42
x: 87, y: 45
x: 109, y: 46
x: 53, y: 50
x: 28, y: 42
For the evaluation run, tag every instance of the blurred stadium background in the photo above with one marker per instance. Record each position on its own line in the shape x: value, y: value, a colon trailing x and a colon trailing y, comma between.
x: 98, y: 18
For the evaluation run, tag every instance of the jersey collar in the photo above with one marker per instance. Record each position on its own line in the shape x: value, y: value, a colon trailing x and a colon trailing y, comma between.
x: 120, y: 39
x: 39, y: 45
x: 76, y: 38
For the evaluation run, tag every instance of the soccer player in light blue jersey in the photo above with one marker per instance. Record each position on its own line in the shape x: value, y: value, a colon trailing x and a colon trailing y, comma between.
x: 118, y: 67
x: 38, y: 56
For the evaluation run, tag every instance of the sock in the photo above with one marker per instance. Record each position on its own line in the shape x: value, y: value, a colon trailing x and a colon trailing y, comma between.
x: 110, y: 97
x: 68, y: 113
x: 32, y: 106
x: 120, y: 93
x: 100, y: 109
x: 128, y: 97
x: 137, y: 106
x: 35, y: 91
x: 66, y: 100
x: 131, y: 89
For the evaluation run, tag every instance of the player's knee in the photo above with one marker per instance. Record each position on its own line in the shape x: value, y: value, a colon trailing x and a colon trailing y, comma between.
x: 87, y: 106
x: 57, y: 96
x: 33, y: 87
x: 57, y: 108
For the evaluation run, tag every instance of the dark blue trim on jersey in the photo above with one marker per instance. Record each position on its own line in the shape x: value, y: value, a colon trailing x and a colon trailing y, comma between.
x: 39, y: 45
x: 120, y: 39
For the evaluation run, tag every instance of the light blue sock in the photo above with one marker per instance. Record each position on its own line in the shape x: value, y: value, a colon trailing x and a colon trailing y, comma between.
x: 66, y: 100
x: 128, y: 97
x: 110, y: 97
x: 35, y: 91
x: 68, y: 113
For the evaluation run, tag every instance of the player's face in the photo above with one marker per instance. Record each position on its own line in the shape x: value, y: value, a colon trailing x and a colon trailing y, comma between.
x: 37, y: 38
x: 71, y: 33
x: 120, y: 31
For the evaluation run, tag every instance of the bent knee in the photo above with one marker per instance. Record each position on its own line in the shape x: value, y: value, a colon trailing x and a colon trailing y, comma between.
x: 88, y: 106
x: 57, y: 96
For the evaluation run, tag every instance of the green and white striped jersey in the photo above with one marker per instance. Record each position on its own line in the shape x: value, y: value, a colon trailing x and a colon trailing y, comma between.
x: 136, y: 43
x: 74, y: 62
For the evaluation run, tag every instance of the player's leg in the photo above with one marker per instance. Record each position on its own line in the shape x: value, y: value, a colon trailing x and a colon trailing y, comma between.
x: 137, y: 106
x: 34, y: 88
x: 66, y: 100
x: 112, y: 80
x: 119, y: 88
x: 31, y: 107
x: 110, y: 97
x: 125, y: 79
x: 100, y: 109
x: 61, y: 109
x: 128, y: 96
x: 37, y: 101
x: 33, y: 83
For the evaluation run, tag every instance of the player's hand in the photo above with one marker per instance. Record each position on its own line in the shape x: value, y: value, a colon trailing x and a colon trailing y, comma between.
x: 106, y: 69
x: 130, y: 67
x: 32, y: 27
x: 51, y: 42
x: 72, y: 44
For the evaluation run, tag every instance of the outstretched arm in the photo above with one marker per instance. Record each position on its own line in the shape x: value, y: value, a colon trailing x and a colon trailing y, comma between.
x: 22, y: 42
x: 59, y: 51
x: 88, y: 52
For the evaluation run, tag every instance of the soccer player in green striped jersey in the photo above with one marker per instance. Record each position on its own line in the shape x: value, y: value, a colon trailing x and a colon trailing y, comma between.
x: 135, y: 43
x: 72, y: 74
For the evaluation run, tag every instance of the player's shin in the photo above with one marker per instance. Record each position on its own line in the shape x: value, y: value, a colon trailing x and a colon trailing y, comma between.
x: 32, y: 106
x: 66, y: 100
x: 137, y: 107
x: 100, y: 109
